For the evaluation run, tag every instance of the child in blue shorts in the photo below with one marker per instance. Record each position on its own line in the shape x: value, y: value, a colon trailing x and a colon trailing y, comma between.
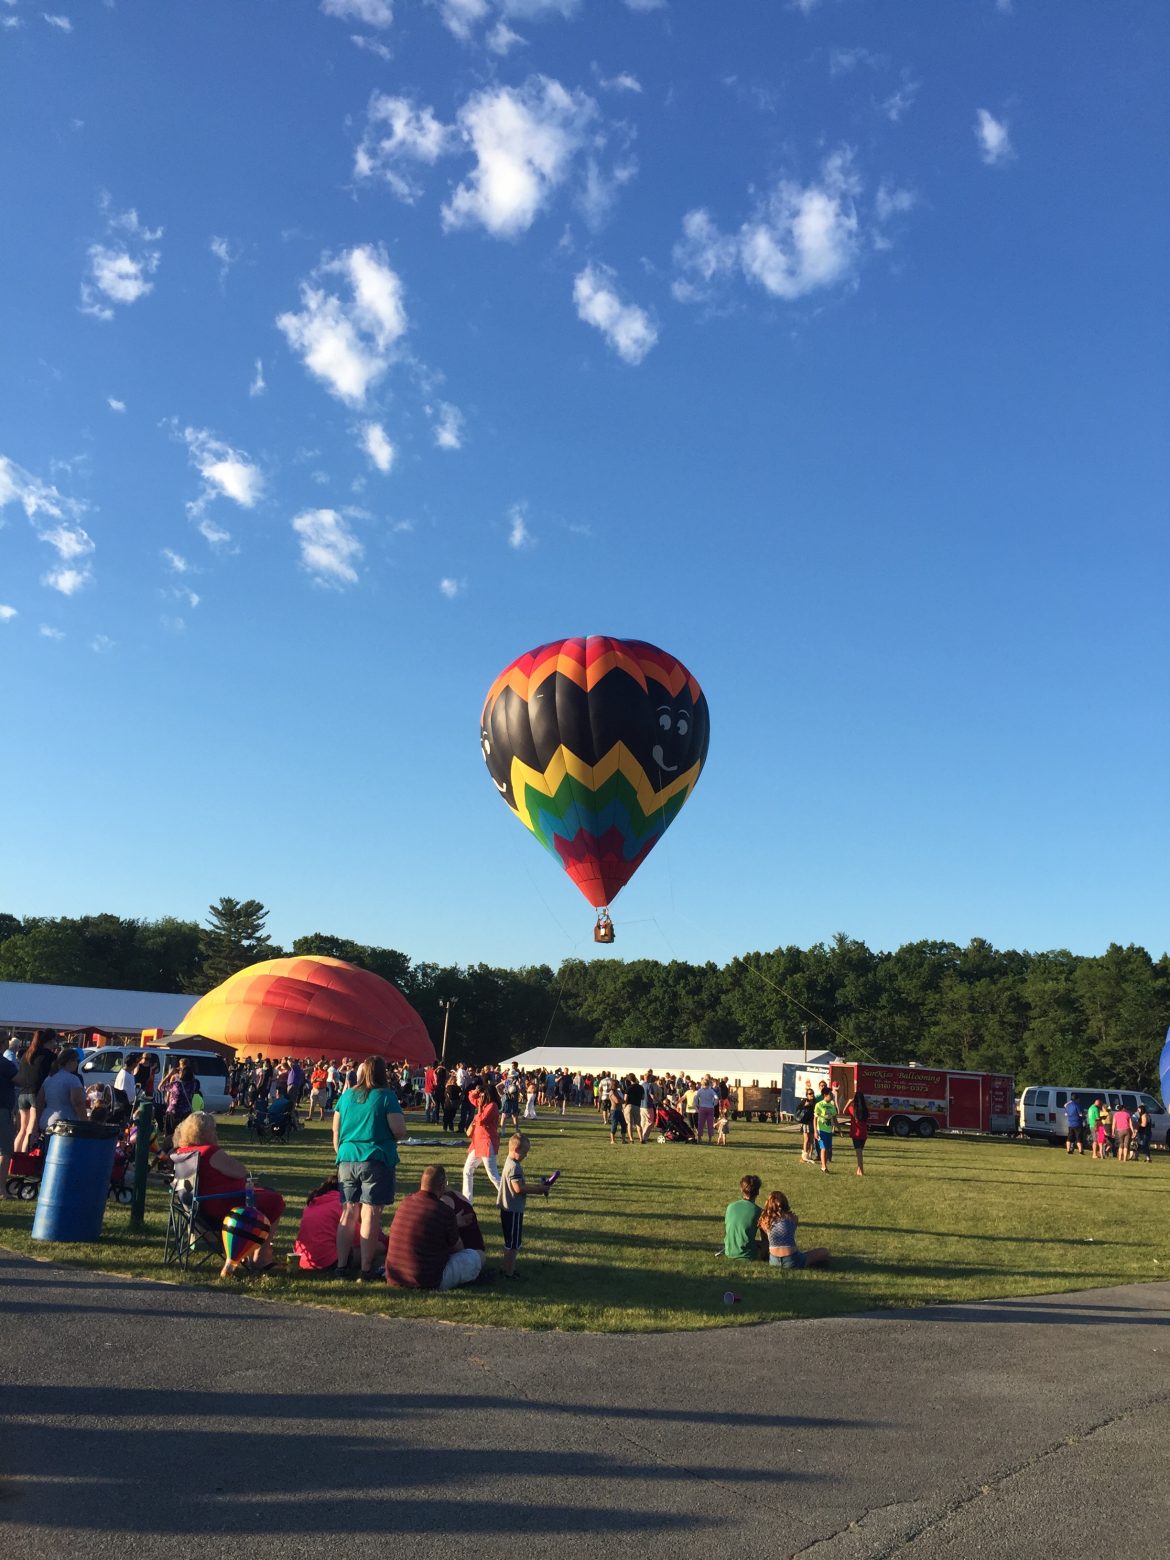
x: 511, y: 1198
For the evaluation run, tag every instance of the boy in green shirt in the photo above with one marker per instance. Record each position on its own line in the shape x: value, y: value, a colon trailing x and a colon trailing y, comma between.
x: 825, y: 1120
x: 741, y: 1219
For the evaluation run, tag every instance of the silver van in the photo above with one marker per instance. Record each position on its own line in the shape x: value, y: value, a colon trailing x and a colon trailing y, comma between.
x: 211, y: 1073
x: 1042, y: 1110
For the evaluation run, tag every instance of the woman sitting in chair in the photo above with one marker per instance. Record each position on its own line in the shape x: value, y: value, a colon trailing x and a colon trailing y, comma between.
x: 219, y: 1175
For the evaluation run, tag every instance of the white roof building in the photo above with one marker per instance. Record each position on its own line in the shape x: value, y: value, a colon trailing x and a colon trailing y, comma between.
x: 27, y: 1006
x: 738, y: 1067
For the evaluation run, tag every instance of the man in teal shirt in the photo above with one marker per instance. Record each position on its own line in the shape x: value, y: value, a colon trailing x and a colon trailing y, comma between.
x: 741, y: 1219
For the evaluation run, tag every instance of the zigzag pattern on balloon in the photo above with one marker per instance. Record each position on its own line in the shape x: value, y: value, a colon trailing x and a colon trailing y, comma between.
x: 603, y: 833
x: 592, y: 780
x: 586, y: 662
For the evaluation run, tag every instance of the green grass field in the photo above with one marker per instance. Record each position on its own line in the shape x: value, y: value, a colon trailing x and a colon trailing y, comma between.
x: 631, y: 1238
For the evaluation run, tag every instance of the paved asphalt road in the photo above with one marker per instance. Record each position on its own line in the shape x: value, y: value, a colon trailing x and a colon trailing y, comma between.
x: 144, y: 1420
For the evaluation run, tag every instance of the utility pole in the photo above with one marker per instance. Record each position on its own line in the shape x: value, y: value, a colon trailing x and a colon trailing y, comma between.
x: 804, y: 1037
x: 446, y: 1003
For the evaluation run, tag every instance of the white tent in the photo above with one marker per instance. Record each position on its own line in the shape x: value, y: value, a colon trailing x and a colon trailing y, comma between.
x: 24, y: 1005
x: 766, y: 1068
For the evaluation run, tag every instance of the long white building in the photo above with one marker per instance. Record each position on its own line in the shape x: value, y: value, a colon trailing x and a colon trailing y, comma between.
x: 25, y: 1006
x: 763, y: 1068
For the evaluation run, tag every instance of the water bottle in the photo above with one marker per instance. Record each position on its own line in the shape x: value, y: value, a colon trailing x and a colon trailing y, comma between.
x: 249, y: 1192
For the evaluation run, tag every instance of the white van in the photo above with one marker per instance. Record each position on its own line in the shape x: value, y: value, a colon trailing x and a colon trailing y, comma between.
x: 211, y: 1073
x: 1042, y: 1110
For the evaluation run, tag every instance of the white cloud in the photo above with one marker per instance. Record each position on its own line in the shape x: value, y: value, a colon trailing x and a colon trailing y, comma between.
x: 46, y: 632
x: 371, y: 13
x: 624, y: 81
x: 448, y: 425
x: 69, y: 542
x: 225, y: 254
x: 995, y: 143
x: 61, y: 23
x: 66, y: 579
x: 892, y: 202
x: 101, y: 644
x: 524, y: 141
x: 348, y: 344
x: 645, y: 5
x: 212, y: 532
x: 377, y: 446
x: 503, y: 39
x: 7, y: 613
x: 599, y: 193
x: 176, y: 562
x: 843, y: 61
x: 537, y: 8
x: 803, y: 237
x: 224, y: 470
x: 629, y: 330
x: 703, y: 251
x: 397, y: 134
x: 462, y: 17
x: 451, y: 587
x: 55, y: 519
x: 120, y: 269
x: 114, y: 404
x: 371, y: 45
x: 258, y: 385
x: 519, y: 536
x: 805, y: 7
x: 329, y: 549
x: 899, y: 103
x: 11, y: 21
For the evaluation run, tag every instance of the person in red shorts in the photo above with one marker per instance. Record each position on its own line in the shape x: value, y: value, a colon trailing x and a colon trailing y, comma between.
x: 858, y: 1112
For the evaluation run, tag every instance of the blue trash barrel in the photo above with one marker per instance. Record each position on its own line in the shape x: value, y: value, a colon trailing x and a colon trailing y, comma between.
x: 76, y: 1181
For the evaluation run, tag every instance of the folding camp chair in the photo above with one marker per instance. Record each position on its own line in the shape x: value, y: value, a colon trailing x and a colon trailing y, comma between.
x: 194, y: 1221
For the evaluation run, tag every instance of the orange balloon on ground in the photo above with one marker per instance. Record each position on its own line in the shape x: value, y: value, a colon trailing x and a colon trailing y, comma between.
x: 311, y: 1007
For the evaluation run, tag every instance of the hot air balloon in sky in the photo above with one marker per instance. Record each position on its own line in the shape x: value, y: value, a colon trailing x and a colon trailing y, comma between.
x: 311, y: 1007
x: 595, y: 744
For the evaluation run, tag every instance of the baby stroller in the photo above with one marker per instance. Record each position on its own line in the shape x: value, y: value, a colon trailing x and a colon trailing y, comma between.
x: 675, y: 1128
x: 24, y: 1174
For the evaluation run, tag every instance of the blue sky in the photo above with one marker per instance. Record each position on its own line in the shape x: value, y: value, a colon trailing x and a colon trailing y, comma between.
x: 351, y: 350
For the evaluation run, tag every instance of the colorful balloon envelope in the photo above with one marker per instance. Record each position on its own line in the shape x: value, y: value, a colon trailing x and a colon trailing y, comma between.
x: 244, y: 1231
x: 595, y: 744
x: 311, y: 1007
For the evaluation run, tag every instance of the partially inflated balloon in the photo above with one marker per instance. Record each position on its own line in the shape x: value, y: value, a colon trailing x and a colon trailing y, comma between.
x: 244, y: 1231
x: 595, y: 744
x: 311, y: 1006
x: 1164, y: 1072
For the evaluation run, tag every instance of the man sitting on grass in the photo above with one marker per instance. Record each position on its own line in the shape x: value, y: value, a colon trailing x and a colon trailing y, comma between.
x: 741, y: 1221
x: 426, y: 1249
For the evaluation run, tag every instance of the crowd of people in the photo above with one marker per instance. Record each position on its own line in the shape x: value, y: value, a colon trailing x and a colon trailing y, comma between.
x: 435, y: 1240
x: 1120, y: 1134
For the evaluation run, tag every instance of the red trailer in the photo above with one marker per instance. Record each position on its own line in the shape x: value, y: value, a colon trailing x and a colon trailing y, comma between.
x: 927, y: 1100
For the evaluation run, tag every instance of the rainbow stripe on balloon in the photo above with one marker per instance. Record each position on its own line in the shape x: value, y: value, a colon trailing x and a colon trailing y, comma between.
x: 602, y: 820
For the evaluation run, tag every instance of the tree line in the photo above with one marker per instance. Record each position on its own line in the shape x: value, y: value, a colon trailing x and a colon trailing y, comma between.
x: 1053, y: 1016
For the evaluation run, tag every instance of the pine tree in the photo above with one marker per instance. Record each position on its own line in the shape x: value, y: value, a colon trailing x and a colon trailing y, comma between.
x: 233, y: 938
